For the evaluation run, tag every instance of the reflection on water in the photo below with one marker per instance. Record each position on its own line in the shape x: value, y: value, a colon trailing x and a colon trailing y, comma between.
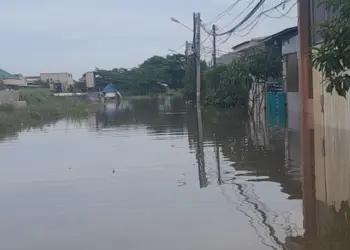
x: 154, y: 174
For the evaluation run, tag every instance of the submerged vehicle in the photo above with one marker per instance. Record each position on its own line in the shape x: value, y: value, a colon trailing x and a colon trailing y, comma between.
x: 111, y: 94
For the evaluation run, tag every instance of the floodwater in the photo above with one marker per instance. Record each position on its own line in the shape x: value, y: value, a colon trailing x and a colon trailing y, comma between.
x: 154, y: 174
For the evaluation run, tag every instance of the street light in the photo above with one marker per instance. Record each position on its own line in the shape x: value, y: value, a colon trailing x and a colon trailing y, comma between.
x: 177, y: 21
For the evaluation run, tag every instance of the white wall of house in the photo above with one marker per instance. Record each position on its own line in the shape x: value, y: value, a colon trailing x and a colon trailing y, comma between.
x: 290, y: 47
x: 66, y: 79
x: 293, y: 100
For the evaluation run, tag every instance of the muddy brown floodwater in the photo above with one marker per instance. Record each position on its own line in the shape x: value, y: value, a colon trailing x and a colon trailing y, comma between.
x: 153, y: 175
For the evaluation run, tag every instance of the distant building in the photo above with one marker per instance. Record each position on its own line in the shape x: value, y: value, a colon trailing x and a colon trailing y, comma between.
x: 66, y: 79
x: 227, y: 59
x: 5, y: 75
x: 12, y: 79
x: 32, y: 79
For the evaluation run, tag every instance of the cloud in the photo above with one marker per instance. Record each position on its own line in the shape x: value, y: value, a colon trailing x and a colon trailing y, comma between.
x: 77, y: 35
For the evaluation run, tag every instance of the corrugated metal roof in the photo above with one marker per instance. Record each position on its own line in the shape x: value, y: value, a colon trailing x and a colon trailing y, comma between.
x: 256, y: 40
x: 6, y: 75
x: 292, y: 30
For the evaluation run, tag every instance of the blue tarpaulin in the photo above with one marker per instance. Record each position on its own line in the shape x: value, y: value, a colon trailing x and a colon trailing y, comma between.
x: 110, y: 88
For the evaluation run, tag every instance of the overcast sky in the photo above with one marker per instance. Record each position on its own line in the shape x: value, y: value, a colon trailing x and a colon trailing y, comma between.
x: 76, y: 36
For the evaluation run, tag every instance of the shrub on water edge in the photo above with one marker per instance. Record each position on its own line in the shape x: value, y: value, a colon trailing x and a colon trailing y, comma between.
x: 42, y: 106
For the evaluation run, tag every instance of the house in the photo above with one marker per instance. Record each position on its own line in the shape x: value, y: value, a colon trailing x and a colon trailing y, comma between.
x: 227, y: 58
x: 272, y: 95
x: 290, y: 53
x: 246, y: 46
x: 285, y: 45
x: 66, y: 79
x: 12, y: 79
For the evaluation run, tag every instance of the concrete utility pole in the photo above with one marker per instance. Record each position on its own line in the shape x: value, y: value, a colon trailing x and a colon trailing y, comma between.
x: 186, y: 53
x: 307, y: 144
x: 214, y: 46
x: 194, y: 34
x: 198, y: 56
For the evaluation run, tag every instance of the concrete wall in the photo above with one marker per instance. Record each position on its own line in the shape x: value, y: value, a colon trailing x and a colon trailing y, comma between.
x: 293, y: 101
x: 9, y: 97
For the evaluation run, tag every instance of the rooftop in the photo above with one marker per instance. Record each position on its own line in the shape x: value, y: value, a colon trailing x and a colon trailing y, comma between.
x: 252, y: 42
x: 6, y: 75
x: 289, y: 31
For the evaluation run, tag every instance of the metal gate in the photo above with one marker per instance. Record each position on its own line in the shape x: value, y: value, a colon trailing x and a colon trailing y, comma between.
x: 276, y: 106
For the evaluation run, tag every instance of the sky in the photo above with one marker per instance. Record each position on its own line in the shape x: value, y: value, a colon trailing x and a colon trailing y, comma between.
x: 75, y: 36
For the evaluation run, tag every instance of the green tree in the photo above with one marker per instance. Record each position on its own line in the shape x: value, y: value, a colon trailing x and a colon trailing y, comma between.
x: 230, y: 85
x: 148, y: 77
x: 265, y: 64
x: 332, y: 56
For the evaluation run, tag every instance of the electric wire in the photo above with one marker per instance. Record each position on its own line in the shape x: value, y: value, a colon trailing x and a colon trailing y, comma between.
x: 247, y: 17
x: 269, y: 10
x: 226, y: 11
x: 241, y: 13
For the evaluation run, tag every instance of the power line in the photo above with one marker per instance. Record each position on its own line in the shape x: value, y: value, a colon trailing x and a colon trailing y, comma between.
x: 251, y: 2
x: 249, y: 15
x: 209, y: 32
x: 255, y: 24
x: 263, y: 13
x: 176, y: 50
x: 226, y: 11
x: 287, y: 12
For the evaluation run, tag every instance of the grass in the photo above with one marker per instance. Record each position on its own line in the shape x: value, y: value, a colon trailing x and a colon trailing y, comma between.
x: 41, y: 108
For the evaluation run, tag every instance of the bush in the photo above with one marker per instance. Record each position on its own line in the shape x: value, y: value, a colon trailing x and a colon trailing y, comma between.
x: 227, y: 86
x: 42, y: 84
